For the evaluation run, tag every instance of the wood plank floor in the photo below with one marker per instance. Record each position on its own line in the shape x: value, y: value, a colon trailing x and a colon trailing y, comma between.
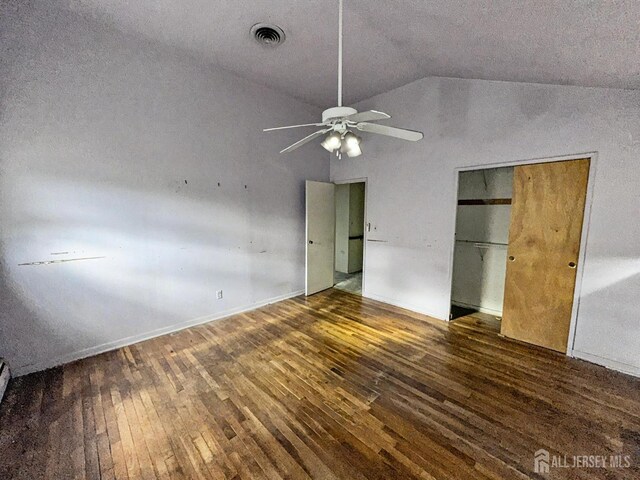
x: 333, y: 386
x: 478, y: 321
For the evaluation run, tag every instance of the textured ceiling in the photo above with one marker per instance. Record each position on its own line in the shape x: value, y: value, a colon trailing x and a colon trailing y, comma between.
x: 390, y: 43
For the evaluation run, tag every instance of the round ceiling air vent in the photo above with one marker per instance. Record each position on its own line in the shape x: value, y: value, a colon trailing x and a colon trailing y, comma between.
x: 267, y: 34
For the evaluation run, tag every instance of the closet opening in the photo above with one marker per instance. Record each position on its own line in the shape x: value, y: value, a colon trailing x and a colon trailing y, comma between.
x: 480, y: 252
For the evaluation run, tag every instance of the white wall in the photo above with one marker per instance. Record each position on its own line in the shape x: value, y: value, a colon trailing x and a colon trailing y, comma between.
x: 482, y: 234
x: 411, y: 201
x: 112, y: 147
x: 342, y: 227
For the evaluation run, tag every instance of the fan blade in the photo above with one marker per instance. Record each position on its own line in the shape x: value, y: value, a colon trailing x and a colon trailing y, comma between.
x: 411, y: 135
x: 294, y: 126
x: 306, y: 139
x: 369, y: 116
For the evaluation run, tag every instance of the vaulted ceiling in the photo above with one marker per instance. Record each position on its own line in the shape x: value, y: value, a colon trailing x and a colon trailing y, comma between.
x: 391, y: 43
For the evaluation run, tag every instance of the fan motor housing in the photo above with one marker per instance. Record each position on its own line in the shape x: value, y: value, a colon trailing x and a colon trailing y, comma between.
x: 337, y: 112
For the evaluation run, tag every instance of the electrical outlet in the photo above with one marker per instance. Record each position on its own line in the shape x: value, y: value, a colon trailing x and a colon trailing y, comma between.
x: 219, y: 294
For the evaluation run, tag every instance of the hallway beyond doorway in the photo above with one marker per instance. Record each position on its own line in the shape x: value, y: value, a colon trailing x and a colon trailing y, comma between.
x: 349, y: 282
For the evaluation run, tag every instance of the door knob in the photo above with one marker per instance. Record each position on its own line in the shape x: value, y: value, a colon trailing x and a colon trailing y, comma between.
x: 310, y: 242
x: 572, y: 264
x: 511, y: 258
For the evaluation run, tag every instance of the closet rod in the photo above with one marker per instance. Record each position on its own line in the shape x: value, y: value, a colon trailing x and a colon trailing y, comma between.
x: 484, y: 244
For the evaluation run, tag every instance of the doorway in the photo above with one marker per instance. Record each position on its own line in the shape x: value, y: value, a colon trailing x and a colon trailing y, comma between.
x: 517, y: 247
x: 349, y: 241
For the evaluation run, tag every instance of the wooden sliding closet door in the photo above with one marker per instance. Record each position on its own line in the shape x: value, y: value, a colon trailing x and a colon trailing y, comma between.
x: 544, y: 240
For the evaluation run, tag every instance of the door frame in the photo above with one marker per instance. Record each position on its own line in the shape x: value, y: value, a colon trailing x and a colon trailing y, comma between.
x: 586, y: 223
x: 365, y: 230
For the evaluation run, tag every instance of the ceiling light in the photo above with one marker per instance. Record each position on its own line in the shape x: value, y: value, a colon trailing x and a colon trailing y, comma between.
x: 354, y: 151
x: 332, y: 142
x: 351, y: 140
x: 351, y: 145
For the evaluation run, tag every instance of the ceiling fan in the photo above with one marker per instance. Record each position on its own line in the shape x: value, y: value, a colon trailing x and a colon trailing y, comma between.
x: 338, y: 122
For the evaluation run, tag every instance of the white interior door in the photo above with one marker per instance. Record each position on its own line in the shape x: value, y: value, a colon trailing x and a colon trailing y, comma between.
x: 321, y: 224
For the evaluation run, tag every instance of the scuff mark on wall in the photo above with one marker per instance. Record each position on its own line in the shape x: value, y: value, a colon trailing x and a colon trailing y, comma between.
x: 49, y: 262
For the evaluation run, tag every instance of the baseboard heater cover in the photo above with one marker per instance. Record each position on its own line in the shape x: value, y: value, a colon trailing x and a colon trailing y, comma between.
x: 4, y: 377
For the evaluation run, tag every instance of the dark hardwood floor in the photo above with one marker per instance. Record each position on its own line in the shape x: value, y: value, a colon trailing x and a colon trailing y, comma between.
x: 481, y: 322
x: 333, y: 386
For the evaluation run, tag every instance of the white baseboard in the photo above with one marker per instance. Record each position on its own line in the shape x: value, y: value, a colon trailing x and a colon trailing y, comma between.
x: 407, y: 306
x: 490, y: 311
x: 608, y: 363
x: 5, y: 375
x: 106, y: 347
